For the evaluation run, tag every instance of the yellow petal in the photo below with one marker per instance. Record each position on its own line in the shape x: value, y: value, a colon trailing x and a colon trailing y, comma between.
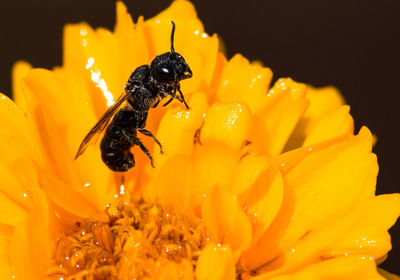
x: 178, y: 127
x: 68, y: 199
x: 387, y: 275
x: 244, y: 82
x: 225, y: 219
x: 309, y: 229
x: 216, y: 77
x: 5, y: 262
x: 274, y: 123
x: 352, y: 267
x: 214, y: 163
x: 132, y: 44
x: 265, y: 200
x: 10, y: 206
x: 216, y: 262
x: 248, y: 171
x: 19, y: 156
x: 12, y: 188
x: 91, y: 59
x: 62, y: 106
x: 60, y: 140
x: 324, y: 189
x: 172, y: 181
x: 199, y: 50
x: 322, y: 101
x: 228, y: 123
x: 335, y: 124
x: 288, y: 160
x: 334, y: 188
x: 172, y: 271
x: 78, y: 68
x: 33, y: 241
x: 15, y: 137
x: 268, y: 247
x: 368, y: 235
x: 19, y: 72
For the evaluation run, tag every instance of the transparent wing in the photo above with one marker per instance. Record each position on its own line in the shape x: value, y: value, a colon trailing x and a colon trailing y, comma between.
x: 102, y: 123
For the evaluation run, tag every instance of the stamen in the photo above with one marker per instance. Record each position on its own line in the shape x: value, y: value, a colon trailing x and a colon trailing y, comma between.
x: 137, y: 243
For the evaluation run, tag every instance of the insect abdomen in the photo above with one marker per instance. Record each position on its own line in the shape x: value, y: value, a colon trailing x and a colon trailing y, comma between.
x: 116, y: 155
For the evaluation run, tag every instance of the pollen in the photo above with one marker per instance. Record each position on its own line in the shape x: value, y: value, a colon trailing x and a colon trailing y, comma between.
x: 140, y: 241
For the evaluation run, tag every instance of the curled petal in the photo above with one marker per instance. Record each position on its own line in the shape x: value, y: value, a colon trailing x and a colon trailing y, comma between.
x: 265, y: 200
x: 285, y: 103
x: 266, y: 251
x: 226, y: 220
x: 249, y: 170
x: 322, y: 101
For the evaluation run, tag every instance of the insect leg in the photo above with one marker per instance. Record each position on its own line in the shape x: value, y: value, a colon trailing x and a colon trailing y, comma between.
x: 148, y: 133
x: 144, y: 149
x: 169, y: 101
x: 133, y: 140
x: 183, y: 98
x: 173, y: 95
x: 156, y: 104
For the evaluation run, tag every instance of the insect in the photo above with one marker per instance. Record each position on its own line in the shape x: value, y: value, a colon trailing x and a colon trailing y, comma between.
x: 146, y: 87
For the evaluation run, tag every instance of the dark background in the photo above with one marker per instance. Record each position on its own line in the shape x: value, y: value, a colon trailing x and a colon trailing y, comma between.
x: 353, y: 45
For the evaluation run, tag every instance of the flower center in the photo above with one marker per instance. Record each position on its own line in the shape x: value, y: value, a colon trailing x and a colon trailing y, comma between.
x: 139, y: 241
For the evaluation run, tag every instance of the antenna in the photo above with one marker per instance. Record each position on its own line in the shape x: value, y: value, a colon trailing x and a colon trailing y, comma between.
x: 172, y: 37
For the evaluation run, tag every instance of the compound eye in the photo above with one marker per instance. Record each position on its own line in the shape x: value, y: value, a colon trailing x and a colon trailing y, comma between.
x: 165, y: 73
x: 165, y: 70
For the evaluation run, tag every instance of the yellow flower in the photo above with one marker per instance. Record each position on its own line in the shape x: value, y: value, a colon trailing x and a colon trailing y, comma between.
x: 257, y: 181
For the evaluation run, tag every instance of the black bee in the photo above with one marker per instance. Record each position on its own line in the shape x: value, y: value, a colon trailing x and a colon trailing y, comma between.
x: 146, y: 87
